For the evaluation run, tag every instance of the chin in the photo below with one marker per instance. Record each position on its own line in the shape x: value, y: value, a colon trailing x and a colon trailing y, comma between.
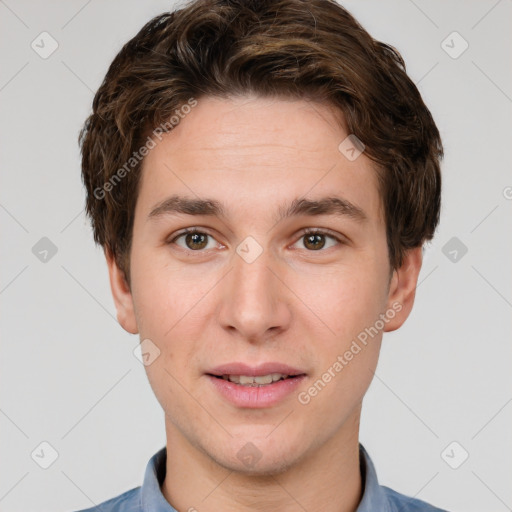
x: 260, y: 454
x: 265, y: 466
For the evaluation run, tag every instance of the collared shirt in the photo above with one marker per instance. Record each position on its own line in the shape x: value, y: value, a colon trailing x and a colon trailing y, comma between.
x: 149, y: 497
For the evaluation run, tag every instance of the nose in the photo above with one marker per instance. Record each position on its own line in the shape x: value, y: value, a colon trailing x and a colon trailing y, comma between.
x: 255, y: 299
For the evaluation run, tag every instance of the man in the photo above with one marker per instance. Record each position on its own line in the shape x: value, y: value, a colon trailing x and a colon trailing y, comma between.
x: 262, y: 176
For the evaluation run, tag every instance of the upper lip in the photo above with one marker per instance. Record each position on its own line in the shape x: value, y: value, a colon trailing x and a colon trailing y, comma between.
x: 254, y: 371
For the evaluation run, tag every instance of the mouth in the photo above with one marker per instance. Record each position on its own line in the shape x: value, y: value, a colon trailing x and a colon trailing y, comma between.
x: 251, y: 387
x: 264, y: 374
x: 256, y: 381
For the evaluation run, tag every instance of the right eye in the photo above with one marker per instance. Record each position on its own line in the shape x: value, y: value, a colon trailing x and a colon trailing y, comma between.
x: 194, y: 240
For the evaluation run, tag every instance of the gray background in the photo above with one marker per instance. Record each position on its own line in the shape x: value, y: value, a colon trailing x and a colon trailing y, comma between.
x: 68, y: 373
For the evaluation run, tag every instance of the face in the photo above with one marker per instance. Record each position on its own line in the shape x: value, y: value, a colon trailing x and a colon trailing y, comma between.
x: 249, y: 284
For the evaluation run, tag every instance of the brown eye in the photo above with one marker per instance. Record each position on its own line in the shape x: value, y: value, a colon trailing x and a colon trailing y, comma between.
x: 194, y: 240
x: 314, y: 241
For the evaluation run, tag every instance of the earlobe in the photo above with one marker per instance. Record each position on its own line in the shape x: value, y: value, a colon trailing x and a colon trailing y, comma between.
x: 402, y: 289
x: 122, y: 295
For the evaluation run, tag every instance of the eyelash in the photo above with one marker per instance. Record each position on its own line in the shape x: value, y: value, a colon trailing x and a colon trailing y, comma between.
x: 303, y: 233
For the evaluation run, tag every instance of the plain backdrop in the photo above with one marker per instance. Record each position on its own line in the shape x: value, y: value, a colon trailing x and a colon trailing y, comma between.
x: 68, y: 373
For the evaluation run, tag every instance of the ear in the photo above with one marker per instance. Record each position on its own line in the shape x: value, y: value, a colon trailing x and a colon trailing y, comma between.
x: 402, y: 288
x: 122, y: 295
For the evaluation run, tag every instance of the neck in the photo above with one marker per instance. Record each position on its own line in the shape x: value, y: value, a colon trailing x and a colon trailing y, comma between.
x: 326, y: 478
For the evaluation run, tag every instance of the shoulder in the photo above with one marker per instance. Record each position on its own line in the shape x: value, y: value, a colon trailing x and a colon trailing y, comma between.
x: 402, y: 502
x: 129, y: 501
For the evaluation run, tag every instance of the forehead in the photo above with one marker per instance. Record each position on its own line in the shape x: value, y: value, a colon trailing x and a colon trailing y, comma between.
x: 258, y: 149
x: 254, y: 121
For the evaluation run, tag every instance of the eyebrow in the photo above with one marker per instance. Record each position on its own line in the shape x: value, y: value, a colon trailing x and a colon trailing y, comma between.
x: 332, y: 205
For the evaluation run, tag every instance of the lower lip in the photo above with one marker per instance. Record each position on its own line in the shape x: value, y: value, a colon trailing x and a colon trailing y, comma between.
x: 254, y: 397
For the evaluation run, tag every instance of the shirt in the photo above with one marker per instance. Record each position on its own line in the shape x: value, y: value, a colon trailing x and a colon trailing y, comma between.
x: 149, y: 497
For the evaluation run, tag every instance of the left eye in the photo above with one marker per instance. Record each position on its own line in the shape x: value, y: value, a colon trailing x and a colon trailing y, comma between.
x: 315, y: 239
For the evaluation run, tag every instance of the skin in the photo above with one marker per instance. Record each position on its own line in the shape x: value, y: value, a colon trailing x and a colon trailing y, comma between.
x: 294, y: 304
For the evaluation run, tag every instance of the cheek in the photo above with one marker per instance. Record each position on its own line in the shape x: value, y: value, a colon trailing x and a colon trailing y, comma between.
x: 343, y: 301
x: 347, y: 304
x: 159, y: 295
x: 169, y: 311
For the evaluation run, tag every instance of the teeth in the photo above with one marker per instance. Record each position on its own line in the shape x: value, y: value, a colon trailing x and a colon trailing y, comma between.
x: 246, y: 380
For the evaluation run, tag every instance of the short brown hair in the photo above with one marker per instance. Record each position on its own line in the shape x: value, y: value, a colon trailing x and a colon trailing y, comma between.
x: 303, y: 49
